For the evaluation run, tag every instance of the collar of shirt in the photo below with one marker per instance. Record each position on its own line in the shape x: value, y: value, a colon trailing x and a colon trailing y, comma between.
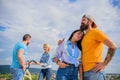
x: 70, y: 43
x: 69, y: 49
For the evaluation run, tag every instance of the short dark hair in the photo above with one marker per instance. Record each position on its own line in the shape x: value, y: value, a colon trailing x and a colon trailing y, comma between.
x: 26, y: 36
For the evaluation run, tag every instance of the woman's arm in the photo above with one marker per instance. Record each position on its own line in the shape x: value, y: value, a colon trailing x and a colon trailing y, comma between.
x: 58, y: 56
x: 58, y: 53
x: 80, y: 72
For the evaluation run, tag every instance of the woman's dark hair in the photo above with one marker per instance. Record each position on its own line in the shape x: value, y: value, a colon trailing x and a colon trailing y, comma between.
x: 78, y: 42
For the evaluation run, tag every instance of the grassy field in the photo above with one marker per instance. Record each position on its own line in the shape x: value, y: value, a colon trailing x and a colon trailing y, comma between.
x: 5, y: 76
x: 9, y: 77
x: 35, y: 77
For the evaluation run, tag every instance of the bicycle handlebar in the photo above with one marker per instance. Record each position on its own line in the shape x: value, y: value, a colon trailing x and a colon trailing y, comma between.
x: 29, y: 62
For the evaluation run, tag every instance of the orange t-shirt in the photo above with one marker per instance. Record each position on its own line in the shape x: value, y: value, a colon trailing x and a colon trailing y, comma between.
x: 92, y: 47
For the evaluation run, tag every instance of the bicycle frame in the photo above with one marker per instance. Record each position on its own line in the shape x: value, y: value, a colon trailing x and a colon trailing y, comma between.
x: 27, y: 74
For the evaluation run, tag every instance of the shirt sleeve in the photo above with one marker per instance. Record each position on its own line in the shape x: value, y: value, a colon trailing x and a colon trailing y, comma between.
x: 59, y: 51
x: 21, y: 48
x: 100, y: 36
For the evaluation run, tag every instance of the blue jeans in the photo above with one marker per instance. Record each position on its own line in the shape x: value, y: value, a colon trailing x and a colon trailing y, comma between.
x: 91, y: 75
x: 17, y: 73
x: 45, y: 73
x: 68, y: 73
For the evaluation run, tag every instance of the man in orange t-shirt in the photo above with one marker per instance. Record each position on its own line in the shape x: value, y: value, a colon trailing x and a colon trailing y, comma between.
x: 92, y: 47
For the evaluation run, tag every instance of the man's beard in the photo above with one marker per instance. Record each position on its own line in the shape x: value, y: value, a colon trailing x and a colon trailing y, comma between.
x: 84, y: 27
x: 27, y: 43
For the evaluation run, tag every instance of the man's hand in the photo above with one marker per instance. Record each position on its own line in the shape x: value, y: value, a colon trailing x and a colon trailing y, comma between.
x: 27, y: 63
x: 99, y: 67
x: 23, y: 68
x: 60, y: 41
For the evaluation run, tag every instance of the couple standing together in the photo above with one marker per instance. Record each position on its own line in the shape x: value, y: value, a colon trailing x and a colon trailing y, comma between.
x: 90, y: 41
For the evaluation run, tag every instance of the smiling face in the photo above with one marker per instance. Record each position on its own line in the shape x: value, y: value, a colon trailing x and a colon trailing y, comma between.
x: 46, y: 48
x: 77, y: 36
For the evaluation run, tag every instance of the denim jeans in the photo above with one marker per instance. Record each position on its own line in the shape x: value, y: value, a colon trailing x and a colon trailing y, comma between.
x: 91, y: 75
x: 45, y: 73
x: 68, y: 73
x: 17, y: 73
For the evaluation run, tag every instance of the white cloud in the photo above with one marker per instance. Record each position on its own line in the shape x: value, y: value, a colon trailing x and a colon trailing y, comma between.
x: 48, y: 21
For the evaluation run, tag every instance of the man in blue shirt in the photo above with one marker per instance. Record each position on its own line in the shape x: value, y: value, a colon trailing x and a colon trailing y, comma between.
x: 18, y: 62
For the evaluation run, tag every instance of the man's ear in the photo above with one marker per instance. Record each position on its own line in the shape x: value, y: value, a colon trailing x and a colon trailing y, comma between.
x: 90, y: 22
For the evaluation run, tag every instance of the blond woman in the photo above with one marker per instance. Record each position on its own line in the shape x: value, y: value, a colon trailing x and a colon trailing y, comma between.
x: 45, y: 61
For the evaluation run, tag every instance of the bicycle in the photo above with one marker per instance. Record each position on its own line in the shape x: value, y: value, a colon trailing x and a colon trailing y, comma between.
x: 27, y: 73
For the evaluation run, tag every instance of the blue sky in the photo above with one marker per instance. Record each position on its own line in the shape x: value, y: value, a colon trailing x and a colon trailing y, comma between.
x: 2, y: 28
x: 49, y: 21
x: 116, y: 3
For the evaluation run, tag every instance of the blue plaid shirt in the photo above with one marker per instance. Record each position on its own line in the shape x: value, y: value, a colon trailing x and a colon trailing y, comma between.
x: 45, y: 59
